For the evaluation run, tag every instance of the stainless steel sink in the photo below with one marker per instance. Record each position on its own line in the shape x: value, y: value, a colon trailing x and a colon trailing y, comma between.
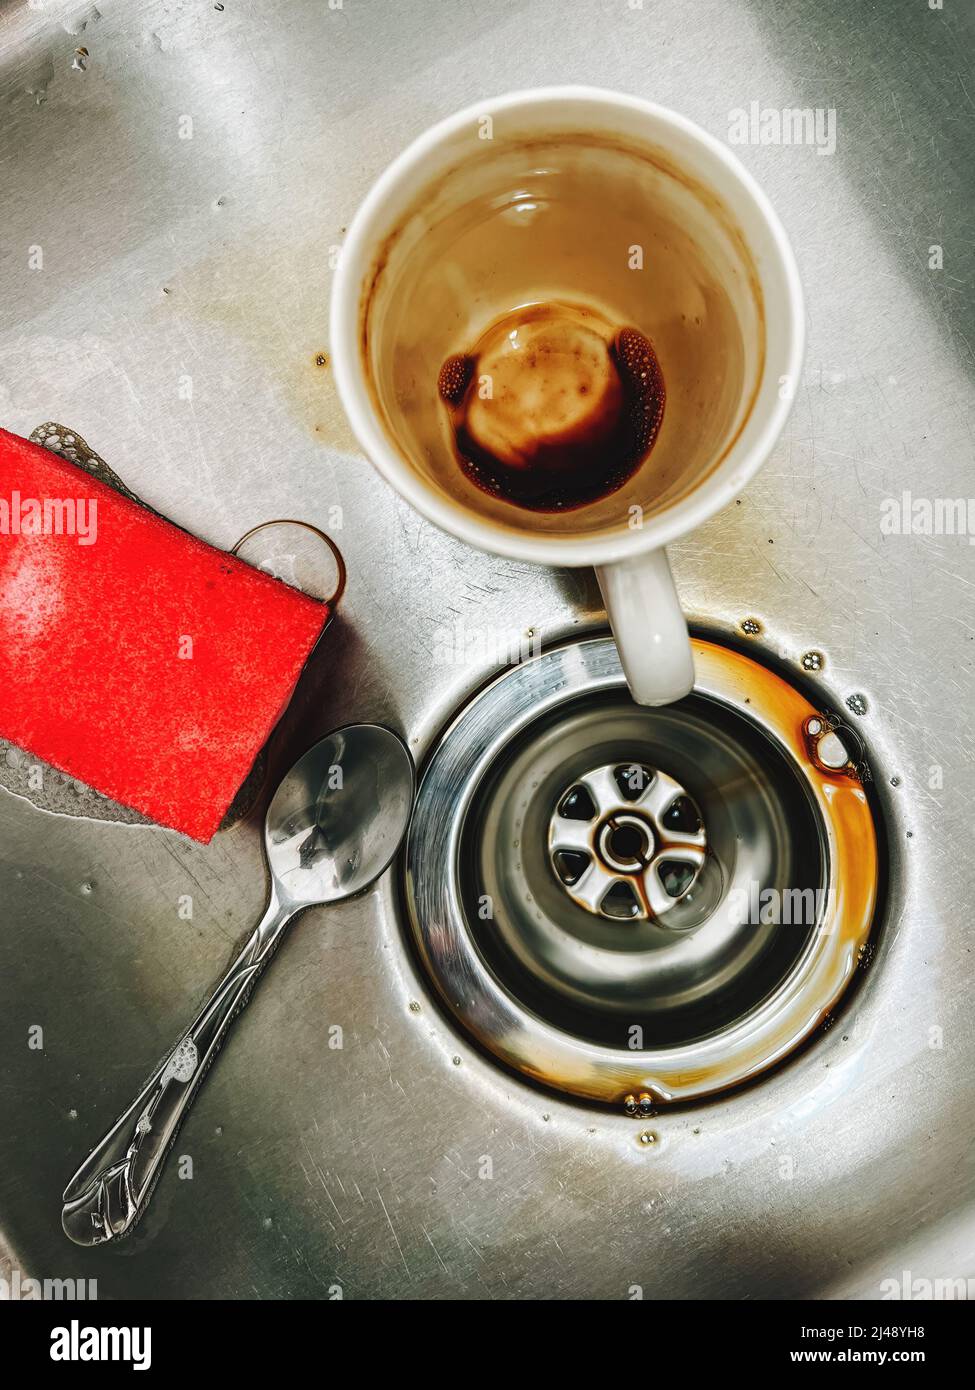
x: 187, y: 179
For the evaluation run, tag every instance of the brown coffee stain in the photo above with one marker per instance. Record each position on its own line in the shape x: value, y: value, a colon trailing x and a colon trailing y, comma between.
x: 574, y: 408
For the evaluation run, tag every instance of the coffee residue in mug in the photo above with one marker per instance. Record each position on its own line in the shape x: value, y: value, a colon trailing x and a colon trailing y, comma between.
x: 553, y: 407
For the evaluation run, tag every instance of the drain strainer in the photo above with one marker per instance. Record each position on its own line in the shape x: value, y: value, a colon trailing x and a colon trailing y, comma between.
x: 626, y: 841
x: 632, y: 904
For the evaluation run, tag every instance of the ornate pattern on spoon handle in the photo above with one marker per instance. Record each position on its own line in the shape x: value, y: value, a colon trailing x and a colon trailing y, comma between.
x: 111, y: 1189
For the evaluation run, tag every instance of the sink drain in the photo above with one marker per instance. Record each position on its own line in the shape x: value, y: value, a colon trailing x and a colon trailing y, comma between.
x: 640, y: 905
x: 626, y: 841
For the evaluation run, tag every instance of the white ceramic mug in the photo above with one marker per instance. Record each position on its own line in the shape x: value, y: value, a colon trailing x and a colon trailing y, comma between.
x: 719, y: 425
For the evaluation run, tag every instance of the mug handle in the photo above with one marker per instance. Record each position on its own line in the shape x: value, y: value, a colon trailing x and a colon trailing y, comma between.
x: 649, y: 626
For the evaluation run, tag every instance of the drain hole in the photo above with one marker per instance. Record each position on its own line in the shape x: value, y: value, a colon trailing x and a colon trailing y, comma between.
x: 675, y: 876
x: 628, y: 844
x: 570, y: 865
x: 620, y: 901
x: 632, y: 779
x: 577, y: 804
x: 682, y: 815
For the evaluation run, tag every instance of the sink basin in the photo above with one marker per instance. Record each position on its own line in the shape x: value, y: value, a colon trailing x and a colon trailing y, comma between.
x: 182, y: 191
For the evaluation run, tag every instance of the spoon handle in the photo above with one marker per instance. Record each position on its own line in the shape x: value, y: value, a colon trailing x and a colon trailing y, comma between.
x: 112, y: 1187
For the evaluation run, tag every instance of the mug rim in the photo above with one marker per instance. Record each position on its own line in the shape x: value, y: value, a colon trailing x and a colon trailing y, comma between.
x: 713, y: 493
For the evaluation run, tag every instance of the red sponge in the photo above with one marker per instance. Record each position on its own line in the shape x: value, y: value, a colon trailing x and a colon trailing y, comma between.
x: 132, y: 655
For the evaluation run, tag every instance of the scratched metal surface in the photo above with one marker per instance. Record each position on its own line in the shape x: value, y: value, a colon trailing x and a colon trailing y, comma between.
x: 165, y: 258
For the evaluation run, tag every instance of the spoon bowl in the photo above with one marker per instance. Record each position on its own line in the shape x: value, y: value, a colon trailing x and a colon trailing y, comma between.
x: 339, y: 816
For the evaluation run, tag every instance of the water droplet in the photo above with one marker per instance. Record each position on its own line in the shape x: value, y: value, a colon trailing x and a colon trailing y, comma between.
x: 813, y: 661
x: 647, y: 1138
x: 832, y: 752
x: 456, y: 1061
x: 751, y: 627
x: 37, y: 87
x: 857, y: 703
